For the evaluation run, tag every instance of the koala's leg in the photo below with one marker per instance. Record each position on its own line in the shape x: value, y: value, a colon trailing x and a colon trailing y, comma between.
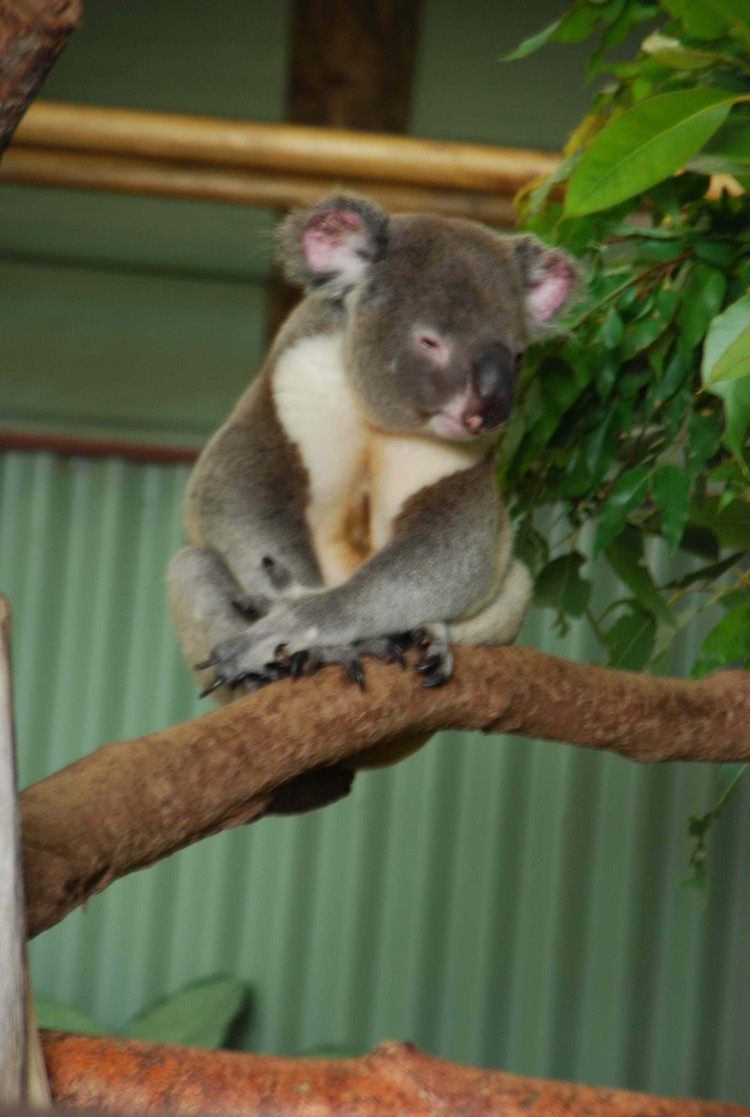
x: 500, y: 621
x: 202, y: 594
x: 208, y: 605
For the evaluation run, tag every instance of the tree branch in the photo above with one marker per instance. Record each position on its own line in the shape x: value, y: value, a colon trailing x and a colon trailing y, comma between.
x: 127, y: 1076
x: 131, y: 803
x: 32, y: 34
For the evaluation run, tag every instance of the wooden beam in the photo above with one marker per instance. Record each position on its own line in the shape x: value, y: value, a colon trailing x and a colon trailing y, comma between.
x: 84, y: 171
x: 288, y: 148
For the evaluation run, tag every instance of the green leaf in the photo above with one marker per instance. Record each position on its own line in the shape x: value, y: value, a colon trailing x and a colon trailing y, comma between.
x: 736, y: 397
x: 63, y: 1018
x: 627, y: 493
x: 726, y: 352
x: 697, y: 18
x: 736, y: 15
x: 701, y: 302
x: 709, y: 573
x: 534, y: 42
x: 644, y: 145
x: 730, y: 525
x: 630, y: 640
x: 612, y: 330
x: 728, y: 151
x: 575, y: 25
x: 625, y: 556
x: 670, y: 487
x: 703, y: 440
x: 559, y: 586
x: 199, y: 1015
x: 671, y: 52
x: 727, y: 642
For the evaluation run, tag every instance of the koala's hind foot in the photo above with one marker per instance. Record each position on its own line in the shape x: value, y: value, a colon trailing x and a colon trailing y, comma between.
x: 435, y: 655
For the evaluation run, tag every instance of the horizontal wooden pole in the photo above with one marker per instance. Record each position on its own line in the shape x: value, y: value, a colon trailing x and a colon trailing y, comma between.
x: 289, y: 148
x: 131, y: 175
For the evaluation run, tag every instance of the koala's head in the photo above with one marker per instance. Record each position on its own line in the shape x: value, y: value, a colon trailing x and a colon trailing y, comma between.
x: 439, y: 311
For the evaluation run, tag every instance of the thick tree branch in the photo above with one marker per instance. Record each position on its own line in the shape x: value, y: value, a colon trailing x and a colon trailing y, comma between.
x: 32, y: 34
x: 127, y: 1076
x: 131, y: 803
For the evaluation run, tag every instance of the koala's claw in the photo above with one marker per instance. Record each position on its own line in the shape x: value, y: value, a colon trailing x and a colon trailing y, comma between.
x: 212, y: 661
x: 297, y: 663
x: 354, y: 672
x: 436, y: 663
x: 218, y: 681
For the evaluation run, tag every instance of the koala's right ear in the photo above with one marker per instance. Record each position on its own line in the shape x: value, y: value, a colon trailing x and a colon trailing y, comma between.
x: 332, y: 244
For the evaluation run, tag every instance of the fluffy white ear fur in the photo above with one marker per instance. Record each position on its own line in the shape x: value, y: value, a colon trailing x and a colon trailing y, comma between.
x: 337, y: 242
x: 550, y: 283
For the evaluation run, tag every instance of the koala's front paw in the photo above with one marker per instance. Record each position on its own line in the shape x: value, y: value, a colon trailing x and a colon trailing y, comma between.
x: 247, y: 660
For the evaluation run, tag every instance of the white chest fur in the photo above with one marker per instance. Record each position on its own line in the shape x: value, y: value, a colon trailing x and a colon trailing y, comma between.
x: 347, y: 460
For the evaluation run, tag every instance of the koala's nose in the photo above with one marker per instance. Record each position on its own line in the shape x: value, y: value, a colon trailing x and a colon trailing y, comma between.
x: 494, y: 378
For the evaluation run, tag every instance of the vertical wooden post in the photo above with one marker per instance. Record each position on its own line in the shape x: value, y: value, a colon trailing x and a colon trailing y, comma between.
x: 32, y: 34
x: 351, y: 66
x: 23, y: 1077
x: 12, y: 923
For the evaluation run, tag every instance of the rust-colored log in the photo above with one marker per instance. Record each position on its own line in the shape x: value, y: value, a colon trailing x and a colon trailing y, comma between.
x: 131, y: 803
x: 122, y: 174
x: 32, y: 34
x: 292, y: 148
x: 130, y: 1077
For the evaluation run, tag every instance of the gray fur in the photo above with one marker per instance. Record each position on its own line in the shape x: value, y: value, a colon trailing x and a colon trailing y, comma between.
x: 375, y: 283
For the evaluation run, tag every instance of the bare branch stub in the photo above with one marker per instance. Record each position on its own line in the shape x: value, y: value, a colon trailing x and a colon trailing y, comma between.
x: 32, y: 34
x: 132, y: 803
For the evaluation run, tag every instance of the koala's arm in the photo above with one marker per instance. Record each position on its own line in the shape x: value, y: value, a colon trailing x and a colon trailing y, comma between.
x: 446, y: 558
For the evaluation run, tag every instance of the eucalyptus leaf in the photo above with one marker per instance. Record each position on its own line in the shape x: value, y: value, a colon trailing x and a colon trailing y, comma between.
x: 736, y: 15
x: 559, y: 585
x: 630, y: 640
x: 697, y: 18
x: 731, y: 525
x: 199, y: 1015
x: 625, y: 556
x: 736, y: 397
x: 64, y: 1018
x: 627, y: 493
x: 670, y: 488
x: 701, y: 302
x: 644, y: 145
x: 726, y: 352
x: 671, y: 52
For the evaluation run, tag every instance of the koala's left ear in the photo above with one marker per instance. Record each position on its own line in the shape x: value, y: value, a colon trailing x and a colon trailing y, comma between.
x: 333, y: 243
x: 549, y: 278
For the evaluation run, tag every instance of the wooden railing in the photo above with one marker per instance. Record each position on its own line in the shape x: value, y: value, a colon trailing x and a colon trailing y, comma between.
x: 249, y: 163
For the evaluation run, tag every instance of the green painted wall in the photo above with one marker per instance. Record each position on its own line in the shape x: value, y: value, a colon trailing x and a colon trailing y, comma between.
x: 507, y: 903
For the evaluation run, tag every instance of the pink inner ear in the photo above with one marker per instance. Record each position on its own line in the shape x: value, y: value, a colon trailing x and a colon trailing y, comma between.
x: 548, y: 295
x: 330, y: 239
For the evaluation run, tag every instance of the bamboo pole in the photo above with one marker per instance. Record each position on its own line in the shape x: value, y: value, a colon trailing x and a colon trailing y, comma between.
x: 290, y: 148
x: 91, y: 171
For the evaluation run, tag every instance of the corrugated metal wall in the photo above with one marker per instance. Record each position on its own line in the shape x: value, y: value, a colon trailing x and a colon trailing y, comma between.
x: 500, y: 902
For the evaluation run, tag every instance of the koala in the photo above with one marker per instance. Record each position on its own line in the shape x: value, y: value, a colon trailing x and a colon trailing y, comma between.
x: 349, y: 505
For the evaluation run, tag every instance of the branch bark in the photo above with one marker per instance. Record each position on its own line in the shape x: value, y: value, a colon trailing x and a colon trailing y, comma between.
x: 32, y: 34
x: 129, y: 804
x: 130, y: 1077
